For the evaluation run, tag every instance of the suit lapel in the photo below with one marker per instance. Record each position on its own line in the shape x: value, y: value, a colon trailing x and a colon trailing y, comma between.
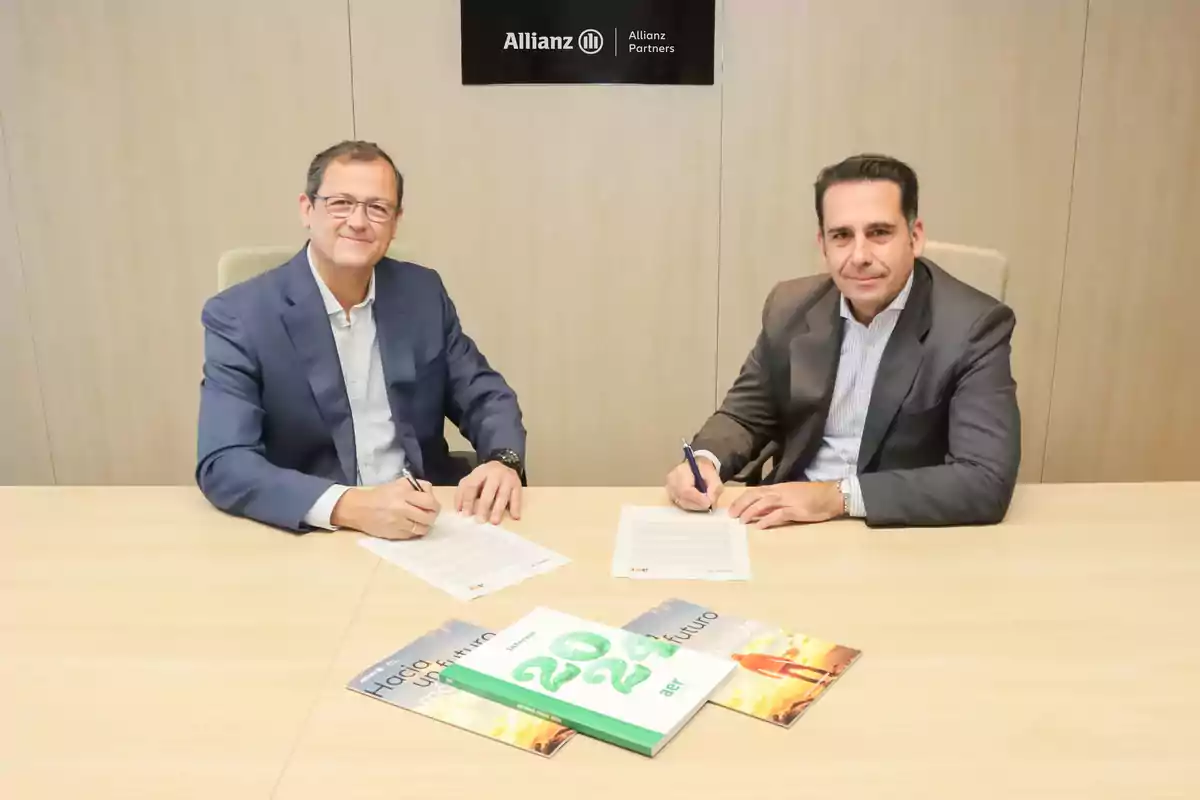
x: 307, y: 324
x: 898, y: 367
x: 395, y: 318
x: 812, y: 364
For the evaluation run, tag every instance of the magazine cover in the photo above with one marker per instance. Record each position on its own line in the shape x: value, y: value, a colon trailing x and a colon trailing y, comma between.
x: 629, y: 690
x: 779, y: 673
x: 409, y: 678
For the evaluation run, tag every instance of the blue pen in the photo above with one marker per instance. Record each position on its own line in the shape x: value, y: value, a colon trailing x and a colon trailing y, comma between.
x: 701, y: 486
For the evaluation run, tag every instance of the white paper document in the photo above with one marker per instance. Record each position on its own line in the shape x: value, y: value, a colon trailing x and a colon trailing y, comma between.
x: 467, y: 559
x: 669, y: 543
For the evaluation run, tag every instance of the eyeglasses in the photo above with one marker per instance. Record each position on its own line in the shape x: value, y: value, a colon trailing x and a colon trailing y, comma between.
x: 340, y: 206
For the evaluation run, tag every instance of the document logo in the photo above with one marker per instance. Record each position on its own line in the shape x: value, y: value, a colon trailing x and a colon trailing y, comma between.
x: 591, y: 41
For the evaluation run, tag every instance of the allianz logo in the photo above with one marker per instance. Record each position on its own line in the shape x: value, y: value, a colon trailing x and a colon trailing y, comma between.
x: 590, y: 41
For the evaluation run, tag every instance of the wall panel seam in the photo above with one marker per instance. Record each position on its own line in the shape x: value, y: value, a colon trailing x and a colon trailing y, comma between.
x: 350, y: 61
x: 1062, y: 281
x: 724, y: 32
x: 24, y: 298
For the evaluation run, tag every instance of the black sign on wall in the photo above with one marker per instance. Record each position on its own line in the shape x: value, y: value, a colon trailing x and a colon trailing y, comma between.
x: 587, y: 41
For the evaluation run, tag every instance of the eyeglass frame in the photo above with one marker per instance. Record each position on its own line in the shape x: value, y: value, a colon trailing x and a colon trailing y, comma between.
x: 366, y: 204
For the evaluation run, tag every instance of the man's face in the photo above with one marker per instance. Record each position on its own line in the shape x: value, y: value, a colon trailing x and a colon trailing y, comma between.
x: 360, y: 238
x: 868, y: 247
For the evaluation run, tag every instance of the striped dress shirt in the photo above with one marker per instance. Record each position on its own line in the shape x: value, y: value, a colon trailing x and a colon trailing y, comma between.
x: 862, y: 350
x: 378, y: 456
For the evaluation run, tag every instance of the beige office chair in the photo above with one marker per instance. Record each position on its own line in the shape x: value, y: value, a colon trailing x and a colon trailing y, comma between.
x: 985, y: 270
x: 244, y: 263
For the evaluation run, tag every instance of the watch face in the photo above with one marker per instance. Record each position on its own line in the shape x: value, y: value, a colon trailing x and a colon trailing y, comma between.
x: 508, y: 458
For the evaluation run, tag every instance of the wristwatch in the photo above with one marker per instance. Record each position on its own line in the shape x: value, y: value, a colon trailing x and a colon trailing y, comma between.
x: 508, y: 458
x: 844, y: 488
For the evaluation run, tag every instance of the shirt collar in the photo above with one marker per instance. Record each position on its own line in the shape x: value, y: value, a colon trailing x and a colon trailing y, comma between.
x: 332, y: 306
x: 897, y: 304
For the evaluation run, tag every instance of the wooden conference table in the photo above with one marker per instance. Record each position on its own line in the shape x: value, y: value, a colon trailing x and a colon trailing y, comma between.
x: 153, y: 647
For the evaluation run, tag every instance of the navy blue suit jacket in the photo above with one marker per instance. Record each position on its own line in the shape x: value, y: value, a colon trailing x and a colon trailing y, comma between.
x: 275, y: 429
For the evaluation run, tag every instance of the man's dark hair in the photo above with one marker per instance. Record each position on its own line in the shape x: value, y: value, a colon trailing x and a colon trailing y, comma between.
x: 349, y: 151
x: 870, y: 167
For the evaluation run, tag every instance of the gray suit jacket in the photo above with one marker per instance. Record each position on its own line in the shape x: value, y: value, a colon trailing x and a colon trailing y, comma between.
x: 942, y: 440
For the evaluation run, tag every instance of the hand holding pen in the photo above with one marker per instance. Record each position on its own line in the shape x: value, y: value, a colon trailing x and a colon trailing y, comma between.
x: 399, y: 509
x: 694, y: 485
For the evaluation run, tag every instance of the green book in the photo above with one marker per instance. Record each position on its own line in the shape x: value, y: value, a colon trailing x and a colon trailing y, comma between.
x: 624, y: 688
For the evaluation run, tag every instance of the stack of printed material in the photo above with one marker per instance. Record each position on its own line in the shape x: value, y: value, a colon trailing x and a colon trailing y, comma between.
x: 630, y: 690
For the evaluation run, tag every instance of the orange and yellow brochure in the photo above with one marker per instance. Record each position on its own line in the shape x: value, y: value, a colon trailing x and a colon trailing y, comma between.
x: 780, y: 673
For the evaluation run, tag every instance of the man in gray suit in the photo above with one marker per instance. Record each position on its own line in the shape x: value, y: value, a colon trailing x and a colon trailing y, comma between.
x: 884, y: 387
x: 328, y: 380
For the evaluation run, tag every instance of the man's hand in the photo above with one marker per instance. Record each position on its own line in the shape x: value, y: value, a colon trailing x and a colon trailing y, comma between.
x: 488, y: 490
x: 390, y: 511
x: 785, y: 503
x: 681, y: 486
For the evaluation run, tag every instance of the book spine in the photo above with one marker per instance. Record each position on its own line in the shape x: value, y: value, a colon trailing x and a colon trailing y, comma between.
x: 598, y: 726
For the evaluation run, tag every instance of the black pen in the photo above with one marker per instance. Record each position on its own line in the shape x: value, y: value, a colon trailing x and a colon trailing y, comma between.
x: 701, y: 486
x: 411, y: 480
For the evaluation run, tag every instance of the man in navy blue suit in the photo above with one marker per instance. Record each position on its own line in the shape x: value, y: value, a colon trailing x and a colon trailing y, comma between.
x: 327, y: 380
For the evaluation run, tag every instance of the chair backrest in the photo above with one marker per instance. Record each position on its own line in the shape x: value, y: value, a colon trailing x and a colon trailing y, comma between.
x: 243, y: 263
x: 984, y: 269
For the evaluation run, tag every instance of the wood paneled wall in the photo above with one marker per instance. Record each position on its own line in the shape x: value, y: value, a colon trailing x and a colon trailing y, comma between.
x: 980, y: 98
x: 609, y: 247
x: 575, y: 228
x: 1126, y: 401
x: 144, y: 138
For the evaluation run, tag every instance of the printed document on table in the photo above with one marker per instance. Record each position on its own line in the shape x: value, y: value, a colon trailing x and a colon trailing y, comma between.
x: 467, y: 559
x: 672, y: 544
